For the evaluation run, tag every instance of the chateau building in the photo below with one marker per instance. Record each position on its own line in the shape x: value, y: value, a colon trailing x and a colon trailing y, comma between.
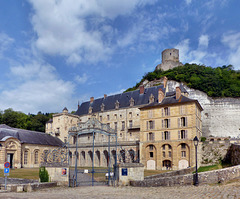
x: 23, y: 148
x: 148, y: 122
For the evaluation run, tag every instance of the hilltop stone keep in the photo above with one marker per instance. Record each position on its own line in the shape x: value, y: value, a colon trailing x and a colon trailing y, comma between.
x: 170, y: 60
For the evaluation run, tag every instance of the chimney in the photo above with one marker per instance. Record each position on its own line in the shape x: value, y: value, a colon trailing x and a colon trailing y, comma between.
x: 105, y: 96
x: 165, y: 81
x: 141, y: 89
x: 160, y: 95
x: 91, y: 99
x: 178, y: 93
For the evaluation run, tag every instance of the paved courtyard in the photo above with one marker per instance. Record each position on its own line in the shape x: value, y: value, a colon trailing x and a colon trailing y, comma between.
x: 231, y: 190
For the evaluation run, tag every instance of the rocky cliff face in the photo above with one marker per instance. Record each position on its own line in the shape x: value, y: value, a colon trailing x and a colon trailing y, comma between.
x: 220, y: 117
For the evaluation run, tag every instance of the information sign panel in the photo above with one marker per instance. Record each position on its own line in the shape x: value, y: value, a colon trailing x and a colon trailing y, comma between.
x: 124, y: 172
x: 6, y: 170
x: 6, y: 164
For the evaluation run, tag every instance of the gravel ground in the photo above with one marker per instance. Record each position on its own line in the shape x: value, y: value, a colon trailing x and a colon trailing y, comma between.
x: 204, y: 191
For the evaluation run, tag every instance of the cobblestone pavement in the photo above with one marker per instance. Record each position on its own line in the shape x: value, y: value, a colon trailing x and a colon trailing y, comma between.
x: 231, y: 190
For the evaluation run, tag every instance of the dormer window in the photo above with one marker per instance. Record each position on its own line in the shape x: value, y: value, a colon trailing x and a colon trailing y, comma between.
x: 151, y: 99
x: 102, y: 107
x: 131, y: 102
x: 117, y: 105
x: 90, y: 110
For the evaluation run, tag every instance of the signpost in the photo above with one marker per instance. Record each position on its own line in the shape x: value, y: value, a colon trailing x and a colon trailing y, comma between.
x: 6, y: 172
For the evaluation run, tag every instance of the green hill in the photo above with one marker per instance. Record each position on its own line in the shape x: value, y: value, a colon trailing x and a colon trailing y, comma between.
x: 216, y: 82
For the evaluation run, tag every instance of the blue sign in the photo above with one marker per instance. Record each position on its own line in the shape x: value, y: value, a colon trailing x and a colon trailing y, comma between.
x: 124, y: 172
x: 6, y: 170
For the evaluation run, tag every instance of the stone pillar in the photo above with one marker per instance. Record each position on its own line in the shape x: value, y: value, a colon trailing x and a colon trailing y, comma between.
x: 58, y: 174
x: 126, y: 172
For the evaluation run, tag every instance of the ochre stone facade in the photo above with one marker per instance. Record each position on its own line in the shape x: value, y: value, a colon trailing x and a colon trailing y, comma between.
x: 167, y: 134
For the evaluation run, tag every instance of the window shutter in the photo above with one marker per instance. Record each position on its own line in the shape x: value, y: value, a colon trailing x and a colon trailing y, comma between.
x: 169, y: 111
x: 162, y: 135
x: 186, y: 134
x: 179, y: 135
x: 162, y: 112
x: 153, y: 136
x: 153, y: 124
x: 162, y: 123
x: 147, y: 124
x: 169, y: 135
x: 186, y: 121
x: 178, y: 122
x: 147, y: 136
x: 168, y: 123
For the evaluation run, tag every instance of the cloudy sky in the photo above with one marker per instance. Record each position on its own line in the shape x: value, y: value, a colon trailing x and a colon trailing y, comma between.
x: 54, y: 53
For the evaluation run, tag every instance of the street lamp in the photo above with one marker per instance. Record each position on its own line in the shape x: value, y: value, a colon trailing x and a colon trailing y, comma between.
x: 195, y: 141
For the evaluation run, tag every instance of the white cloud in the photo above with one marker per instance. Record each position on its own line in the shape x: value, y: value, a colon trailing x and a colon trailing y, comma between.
x: 73, y: 28
x: 188, y: 1
x: 203, y: 41
x: 5, y: 42
x: 232, y: 40
x: 200, y: 55
x: 81, y: 79
x: 36, y: 87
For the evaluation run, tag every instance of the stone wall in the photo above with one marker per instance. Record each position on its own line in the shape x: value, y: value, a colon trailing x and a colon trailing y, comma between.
x: 220, y: 116
x: 209, y: 177
x: 235, y: 154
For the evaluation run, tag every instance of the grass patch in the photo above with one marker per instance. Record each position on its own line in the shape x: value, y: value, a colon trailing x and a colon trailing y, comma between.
x: 154, y: 172
x: 25, y: 173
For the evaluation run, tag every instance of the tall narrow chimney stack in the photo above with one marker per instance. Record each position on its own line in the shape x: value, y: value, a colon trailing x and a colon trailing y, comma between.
x: 141, y: 89
x: 178, y: 93
x: 160, y: 95
x: 91, y: 99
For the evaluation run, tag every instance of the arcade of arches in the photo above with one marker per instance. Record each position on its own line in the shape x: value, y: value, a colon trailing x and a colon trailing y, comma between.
x: 164, y: 156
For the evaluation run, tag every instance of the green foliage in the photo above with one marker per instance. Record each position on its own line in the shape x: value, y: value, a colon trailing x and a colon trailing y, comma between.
x: 216, y: 82
x: 203, y: 139
x: 43, y: 174
x: 20, y: 120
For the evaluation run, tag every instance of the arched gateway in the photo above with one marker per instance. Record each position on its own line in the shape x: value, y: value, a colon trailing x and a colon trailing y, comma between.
x: 87, y: 136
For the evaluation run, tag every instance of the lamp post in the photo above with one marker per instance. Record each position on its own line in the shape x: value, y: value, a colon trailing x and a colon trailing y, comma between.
x: 195, y: 141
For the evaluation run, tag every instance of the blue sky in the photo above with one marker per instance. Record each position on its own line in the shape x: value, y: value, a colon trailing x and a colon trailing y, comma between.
x: 56, y: 53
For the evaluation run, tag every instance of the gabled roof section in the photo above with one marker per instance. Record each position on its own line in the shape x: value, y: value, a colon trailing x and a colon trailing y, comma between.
x: 29, y: 137
x: 123, y: 99
x: 171, y: 100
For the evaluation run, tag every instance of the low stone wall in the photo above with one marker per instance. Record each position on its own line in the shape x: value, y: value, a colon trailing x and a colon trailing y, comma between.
x: 27, y: 187
x: 172, y: 173
x: 209, y: 177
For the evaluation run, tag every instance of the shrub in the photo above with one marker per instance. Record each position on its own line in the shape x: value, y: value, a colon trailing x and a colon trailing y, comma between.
x: 203, y: 139
x: 43, y: 174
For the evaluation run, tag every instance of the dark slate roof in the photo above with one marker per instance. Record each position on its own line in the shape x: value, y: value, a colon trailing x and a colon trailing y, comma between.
x: 29, y: 137
x: 172, y: 100
x: 123, y: 99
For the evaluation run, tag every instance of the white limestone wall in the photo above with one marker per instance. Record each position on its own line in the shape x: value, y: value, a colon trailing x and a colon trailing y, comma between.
x: 220, y: 117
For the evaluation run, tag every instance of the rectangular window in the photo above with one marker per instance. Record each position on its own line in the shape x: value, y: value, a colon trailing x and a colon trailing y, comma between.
x: 182, y: 122
x: 108, y: 117
x: 108, y: 124
x: 115, y: 116
x: 183, y: 154
x: 25, y: 157
x: 100, y: 118
x: 115, y: 125
x: 166, y: 111
x: 150, y: 113
x: 151, y: 154
x: 123, y: 125
x: 166, y: 135
x: 151, y: 147
x: 36, y: 157
x: 150, y: 136
x: 130, y: 124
